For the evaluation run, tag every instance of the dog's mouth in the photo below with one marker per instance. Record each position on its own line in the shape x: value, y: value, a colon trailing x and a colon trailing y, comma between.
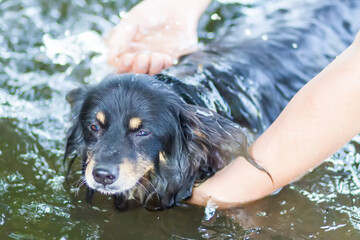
x: 112, y: 179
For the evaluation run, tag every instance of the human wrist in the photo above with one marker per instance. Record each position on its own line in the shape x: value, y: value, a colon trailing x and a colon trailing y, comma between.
x: 251, y: 184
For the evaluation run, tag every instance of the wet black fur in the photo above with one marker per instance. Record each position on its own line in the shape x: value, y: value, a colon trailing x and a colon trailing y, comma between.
x: 244, y: 79
x: 173, y: 125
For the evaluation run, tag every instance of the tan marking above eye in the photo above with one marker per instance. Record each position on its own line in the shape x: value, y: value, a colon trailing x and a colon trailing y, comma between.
x: 135, y: 123
x: 100, y: 116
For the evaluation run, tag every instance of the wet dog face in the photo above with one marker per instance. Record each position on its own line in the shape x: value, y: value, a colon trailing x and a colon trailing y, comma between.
x: 139, y: 140
x: 123, y: 139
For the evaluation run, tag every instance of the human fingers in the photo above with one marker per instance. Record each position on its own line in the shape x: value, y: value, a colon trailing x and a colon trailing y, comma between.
x: 124, y: 62
x: 141, y: 63
x: 156, y: 63
x: 168, y: 61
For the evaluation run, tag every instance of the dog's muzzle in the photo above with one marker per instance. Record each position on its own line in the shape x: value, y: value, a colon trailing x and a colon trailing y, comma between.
x: 105, y: 174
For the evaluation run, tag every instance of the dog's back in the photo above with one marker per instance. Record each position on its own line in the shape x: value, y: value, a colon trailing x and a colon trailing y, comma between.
x: 249, y: 73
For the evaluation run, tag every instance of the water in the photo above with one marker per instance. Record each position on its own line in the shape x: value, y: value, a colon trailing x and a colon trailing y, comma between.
x: 50, y: 47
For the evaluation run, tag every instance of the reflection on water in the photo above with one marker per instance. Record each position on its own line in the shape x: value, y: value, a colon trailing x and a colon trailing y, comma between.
x: 50, y: 47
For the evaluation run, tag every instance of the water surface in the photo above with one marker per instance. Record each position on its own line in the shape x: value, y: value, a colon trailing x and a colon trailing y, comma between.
x: 50, y: 47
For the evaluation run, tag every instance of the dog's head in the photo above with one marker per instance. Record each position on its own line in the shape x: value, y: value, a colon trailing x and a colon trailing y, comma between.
x: 140, y: 140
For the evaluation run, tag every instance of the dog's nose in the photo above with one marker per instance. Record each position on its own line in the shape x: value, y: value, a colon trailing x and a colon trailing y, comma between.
x: 104, y: 176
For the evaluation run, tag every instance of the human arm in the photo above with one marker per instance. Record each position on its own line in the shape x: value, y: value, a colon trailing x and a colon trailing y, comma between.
x: 153, y: 34
x: 322, y: 117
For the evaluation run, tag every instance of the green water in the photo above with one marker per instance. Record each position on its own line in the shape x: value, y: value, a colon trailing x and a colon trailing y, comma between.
x: 49, y: 47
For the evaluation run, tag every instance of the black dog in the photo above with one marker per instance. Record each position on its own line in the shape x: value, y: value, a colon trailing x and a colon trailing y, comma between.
x: 151, y: 138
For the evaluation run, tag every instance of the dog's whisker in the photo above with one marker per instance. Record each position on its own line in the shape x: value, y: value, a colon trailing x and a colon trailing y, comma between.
x: 145, y: 189
x: 80, y: 183
x: 153, y: 187
x: 77, y: 182
x: 77, y: 191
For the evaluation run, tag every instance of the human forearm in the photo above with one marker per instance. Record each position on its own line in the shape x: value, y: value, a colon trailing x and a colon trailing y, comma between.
x: 320, y: 119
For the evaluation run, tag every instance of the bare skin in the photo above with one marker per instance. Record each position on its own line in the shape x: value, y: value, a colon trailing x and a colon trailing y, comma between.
x: 154, y: 34
x: 322, y: 117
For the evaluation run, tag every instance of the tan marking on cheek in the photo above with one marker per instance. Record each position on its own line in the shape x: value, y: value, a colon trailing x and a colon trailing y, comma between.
x: 126, y: 168
x: 130, y: 173
x: 100, y: 116
x: 149, y: 168
x: 89, y: 156
x: 135, y: 123
x: 89, y: 167
x: 144, y: 164
x: 162, y: 157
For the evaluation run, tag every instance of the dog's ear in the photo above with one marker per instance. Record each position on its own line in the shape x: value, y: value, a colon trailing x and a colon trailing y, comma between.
x: 74, y: 96
x: 209, y: 142
x: 74, y: 136
x: 212, y: 140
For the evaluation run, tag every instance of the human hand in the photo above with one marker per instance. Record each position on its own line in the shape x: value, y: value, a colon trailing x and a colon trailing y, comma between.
x: 153, y: 35
x: 234, y: 185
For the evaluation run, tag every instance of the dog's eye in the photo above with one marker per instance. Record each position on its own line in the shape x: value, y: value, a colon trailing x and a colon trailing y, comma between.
x: 94, y: 127
x: 142, y: 133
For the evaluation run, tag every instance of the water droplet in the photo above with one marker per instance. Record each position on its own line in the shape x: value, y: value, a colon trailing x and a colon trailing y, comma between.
x: 283, y: 212
x: 294, y: 45
x: 261, y: 214
x: 264, y: 37
x: 247, y: 32
x: 215, y: 16
x: 209, y: 212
